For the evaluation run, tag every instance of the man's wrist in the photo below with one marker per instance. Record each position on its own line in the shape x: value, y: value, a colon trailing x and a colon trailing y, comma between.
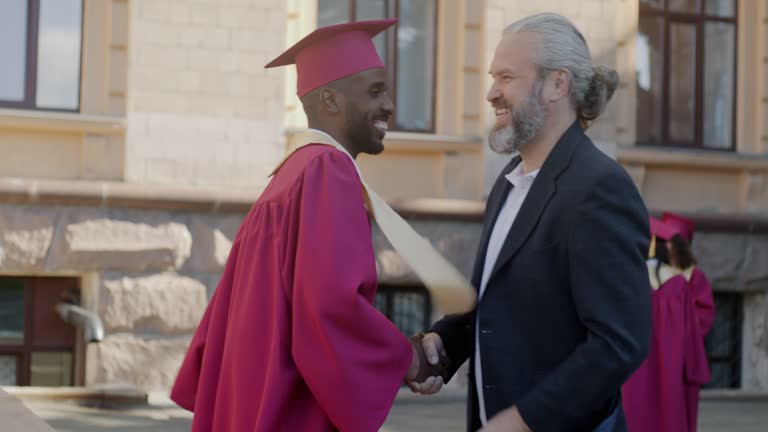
x: 515, y: 416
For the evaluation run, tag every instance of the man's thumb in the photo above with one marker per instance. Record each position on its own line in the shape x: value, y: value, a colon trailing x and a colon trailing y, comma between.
x: 430, y: 350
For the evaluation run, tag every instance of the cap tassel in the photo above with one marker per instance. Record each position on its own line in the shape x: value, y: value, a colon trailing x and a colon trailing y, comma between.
x: 652, y: 248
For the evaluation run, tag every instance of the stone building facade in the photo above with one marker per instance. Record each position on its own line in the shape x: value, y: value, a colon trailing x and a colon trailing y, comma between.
x: 135, y: 193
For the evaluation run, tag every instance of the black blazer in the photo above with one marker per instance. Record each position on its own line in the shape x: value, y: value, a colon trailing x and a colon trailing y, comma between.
x: 566, y: 315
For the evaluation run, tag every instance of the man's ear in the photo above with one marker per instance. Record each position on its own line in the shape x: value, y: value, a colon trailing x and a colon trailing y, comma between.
x: 331, y: 100
x: 558, y: 84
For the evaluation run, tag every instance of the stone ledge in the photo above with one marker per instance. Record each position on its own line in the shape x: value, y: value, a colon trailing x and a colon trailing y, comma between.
x: 733, y: 395
x: 187, y: 198
x: 46, y: 121
x: 18, y: 418
x: 692, y: 158
x: 119, y: 194
x: 102, y: 396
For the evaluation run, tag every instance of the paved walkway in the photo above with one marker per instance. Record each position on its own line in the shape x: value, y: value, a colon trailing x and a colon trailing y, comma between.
x: 448, y: 415
x: 17, y: 418
x: 445, y: 413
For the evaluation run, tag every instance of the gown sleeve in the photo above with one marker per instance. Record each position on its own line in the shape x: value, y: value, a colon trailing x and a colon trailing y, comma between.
x: 350, y: 355
x: 184, y: 390
x: 207, y: 340
x: 700, y: 311
x: 704, y: 303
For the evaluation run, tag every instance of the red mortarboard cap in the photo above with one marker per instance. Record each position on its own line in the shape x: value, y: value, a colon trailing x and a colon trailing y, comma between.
x: 334, y: 52
x: 684, y: 226
x: 662, y: 230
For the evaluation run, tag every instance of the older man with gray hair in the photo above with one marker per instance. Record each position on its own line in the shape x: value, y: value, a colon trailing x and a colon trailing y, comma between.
x: 563, y: 316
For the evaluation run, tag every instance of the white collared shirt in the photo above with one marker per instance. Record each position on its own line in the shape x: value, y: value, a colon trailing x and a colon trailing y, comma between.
x: 521, y: 184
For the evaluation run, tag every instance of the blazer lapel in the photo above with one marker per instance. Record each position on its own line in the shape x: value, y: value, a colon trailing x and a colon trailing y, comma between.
x: 495, y: 202
x: 541, y: 192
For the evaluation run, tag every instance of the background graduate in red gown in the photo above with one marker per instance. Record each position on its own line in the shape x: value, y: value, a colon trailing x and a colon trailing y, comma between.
x: 290, y: 340
x: 702, y: 309
x: 662, y: 395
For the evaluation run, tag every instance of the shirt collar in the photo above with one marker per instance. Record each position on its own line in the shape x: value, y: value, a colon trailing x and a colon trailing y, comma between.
x: 518, y: 179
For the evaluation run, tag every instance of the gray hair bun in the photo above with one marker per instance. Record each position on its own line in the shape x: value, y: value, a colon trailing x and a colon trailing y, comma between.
x: 601, y: 87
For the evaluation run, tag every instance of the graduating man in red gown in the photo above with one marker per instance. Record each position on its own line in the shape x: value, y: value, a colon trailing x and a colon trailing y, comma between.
x: 662, y: 395
x: 290, y: 340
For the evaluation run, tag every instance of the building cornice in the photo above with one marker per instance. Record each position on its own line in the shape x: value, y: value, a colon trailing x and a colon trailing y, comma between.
x: 60, y: 122
x: 188, y: 198
x: 687, y: 158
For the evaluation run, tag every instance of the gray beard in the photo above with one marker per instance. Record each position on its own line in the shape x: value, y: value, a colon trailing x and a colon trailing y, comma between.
x: 527, y: 121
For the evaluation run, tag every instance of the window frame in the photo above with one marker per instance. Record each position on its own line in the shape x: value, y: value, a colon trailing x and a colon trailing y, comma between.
x: 30, y: 65
x: 24, y: 350
x: 390, y: 62
x: 733, y: 359
x: 699, y: 19
x: 385, y: 303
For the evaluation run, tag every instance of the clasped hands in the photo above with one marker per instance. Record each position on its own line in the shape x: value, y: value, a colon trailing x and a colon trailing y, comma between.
x: 429, y: 370
x: 430, y: 366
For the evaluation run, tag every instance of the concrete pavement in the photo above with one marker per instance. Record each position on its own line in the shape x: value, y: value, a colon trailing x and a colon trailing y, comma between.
x: 446, y: 413
x: 443, y: 413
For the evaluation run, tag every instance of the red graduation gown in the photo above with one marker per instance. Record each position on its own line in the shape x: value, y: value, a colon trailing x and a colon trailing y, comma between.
x: 703, y: 307
x: 662, y: 395
x: 290, y: 340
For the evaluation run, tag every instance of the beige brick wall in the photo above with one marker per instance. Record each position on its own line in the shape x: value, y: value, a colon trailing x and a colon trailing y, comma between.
x: 43, y: 144
x: 201, y: 108
x: 752, y: 70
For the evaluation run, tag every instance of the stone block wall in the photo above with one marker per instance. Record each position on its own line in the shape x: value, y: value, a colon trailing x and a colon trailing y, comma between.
x: 147, y: 273
x: 734, y: 261
x: 739, y: 263
x: 754, y: 362
x: 457, y: 241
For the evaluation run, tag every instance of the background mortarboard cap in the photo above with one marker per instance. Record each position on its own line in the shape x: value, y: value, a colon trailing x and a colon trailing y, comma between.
x: 334, y: 52
x: 662, y: 230
x: 659, y: 230
x: 683, y: 225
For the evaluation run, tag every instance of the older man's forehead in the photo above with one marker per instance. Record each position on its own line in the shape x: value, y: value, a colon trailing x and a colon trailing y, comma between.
x: 515, y: 51
x: 520, y: 44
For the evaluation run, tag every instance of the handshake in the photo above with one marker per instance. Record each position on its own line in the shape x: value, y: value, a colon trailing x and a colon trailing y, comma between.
x: 430, y: 367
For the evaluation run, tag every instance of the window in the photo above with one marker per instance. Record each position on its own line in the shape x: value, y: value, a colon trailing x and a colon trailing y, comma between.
x: 408, y: 52
x: 686, y: 73
x: 36, y: 347
x: 723, y: 342
x: 40, y: 48
x: 409, y: 308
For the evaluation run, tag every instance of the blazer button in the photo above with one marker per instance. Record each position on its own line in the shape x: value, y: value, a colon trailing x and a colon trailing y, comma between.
x: 486, y: 331
x: 489, y: 387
